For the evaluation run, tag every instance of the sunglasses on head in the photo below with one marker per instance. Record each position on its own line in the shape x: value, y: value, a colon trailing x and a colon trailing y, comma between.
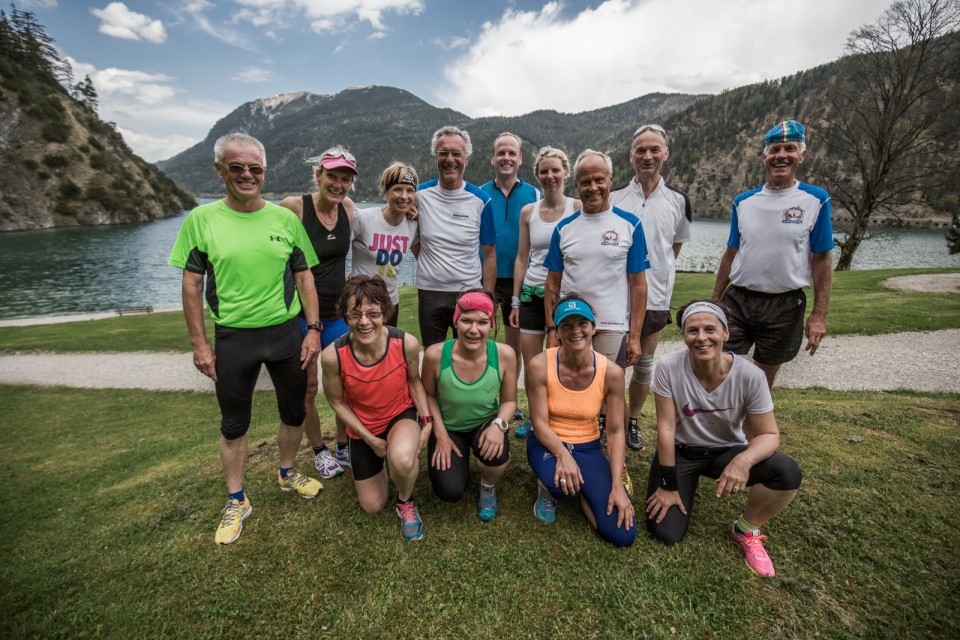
x: 337, y: 153
x: 650, y: 127
x: 238, y: 169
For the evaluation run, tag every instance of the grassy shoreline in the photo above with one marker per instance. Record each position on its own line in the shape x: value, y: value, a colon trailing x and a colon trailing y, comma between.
x: 860, y: 304
x: 110, y: 500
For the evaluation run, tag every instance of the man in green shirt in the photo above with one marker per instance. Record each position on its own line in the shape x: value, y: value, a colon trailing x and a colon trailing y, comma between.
x: 255, y: 257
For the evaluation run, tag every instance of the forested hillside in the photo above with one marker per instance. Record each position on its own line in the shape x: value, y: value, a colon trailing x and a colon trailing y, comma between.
x: 62, y: 165
x: 381, y: 124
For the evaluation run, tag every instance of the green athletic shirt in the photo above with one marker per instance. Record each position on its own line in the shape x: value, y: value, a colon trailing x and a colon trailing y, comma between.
x: 249, y: 259
x: 467, y: 406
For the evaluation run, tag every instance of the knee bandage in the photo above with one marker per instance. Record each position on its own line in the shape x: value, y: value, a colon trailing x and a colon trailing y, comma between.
x: 643, y: 370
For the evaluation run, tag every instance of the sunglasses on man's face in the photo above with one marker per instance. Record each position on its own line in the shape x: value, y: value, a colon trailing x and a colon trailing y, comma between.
x: 238, y: 169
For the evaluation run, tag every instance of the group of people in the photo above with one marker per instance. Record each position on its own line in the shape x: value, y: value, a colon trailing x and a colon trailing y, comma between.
x: 583, y: 287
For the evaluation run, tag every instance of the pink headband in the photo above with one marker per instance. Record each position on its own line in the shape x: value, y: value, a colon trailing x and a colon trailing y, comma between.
x: 474, y: 301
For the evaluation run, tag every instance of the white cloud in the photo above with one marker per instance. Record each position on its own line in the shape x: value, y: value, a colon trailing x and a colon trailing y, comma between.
x: 327, y: 15
x: 252, y: 76
x: 118, y: 21
x: 38, y: 4
x: 157, y: 120
x: 456, y: 42
x: 622, y: 49
x: 377, y: 35
x: 154, y: 148
x: 195, y: 15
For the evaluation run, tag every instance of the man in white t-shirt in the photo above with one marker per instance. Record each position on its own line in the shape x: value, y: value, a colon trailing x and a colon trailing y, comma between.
x: 665, y: 213
x: 600, y: 253
x: 456, y: 226
x: 781, y: 240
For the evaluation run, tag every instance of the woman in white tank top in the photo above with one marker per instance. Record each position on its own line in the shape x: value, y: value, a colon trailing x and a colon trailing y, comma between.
x: 537, y: 221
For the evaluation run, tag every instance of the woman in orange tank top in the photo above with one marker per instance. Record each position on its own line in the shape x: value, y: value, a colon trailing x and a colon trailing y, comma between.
x: 372, y: 382
x: 566, y: 388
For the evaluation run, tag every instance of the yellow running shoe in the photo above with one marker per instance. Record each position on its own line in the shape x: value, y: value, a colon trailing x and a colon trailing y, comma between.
x: 627, y: 482
x: 231, y: 524
x: 303, y: 485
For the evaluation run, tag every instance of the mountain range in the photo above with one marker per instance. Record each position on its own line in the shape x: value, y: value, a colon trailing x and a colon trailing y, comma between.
x: 382, y: 124
x: 715, y: 141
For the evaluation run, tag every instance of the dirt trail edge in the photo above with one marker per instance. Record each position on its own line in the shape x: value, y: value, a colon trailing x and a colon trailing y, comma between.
x: 923, y: 361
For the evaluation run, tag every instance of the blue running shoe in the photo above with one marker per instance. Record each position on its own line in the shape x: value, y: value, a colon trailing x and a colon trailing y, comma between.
x: 518, y: 415
x: 524, y: 429
x: 545, y: 508
x: 487, y: 508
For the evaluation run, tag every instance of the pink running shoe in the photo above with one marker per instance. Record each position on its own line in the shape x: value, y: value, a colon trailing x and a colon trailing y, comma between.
x: 756, y: 556
x: 411, y: 526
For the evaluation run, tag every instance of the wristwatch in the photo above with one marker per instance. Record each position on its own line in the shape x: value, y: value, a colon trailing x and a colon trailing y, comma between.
x: 315, y: 326
x: 501, y: 424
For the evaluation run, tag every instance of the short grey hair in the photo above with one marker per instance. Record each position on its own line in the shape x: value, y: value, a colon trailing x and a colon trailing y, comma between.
x: 803, y: 146
x: 451, y: 130
x: 586, y: 153
x: 242, y: 138
x: 656, y: 128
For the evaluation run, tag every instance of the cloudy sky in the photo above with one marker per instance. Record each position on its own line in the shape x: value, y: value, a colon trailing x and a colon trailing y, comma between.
x: 167, y: 70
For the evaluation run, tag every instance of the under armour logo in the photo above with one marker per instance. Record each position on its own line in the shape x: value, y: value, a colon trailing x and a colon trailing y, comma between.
x: 277, y: 238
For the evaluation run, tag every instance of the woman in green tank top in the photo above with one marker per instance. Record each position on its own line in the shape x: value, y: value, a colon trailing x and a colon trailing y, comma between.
x: 471, y: 385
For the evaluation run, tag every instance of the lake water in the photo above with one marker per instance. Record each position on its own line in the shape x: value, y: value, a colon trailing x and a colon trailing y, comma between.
x: 96, y: 269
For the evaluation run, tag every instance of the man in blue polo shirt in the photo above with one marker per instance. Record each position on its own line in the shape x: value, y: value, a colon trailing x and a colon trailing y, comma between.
x: 781, y: 240
x: 508, y: 195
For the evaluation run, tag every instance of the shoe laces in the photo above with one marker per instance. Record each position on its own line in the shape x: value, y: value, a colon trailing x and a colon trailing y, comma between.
x: 296, y: 479
x: 230, y: 511
x: 408, y: 512
x: 756, y: 544
x: 488, y: 495
x: 547, y: 503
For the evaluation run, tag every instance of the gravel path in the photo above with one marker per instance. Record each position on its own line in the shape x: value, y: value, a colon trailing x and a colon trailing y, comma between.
x: 924, y: 361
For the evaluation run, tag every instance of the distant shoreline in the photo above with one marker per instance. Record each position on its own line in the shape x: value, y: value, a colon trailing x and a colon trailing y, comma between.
x: 79, y: 317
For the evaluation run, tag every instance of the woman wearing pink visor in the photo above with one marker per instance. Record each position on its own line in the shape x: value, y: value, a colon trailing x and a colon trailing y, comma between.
x: 326, y: 215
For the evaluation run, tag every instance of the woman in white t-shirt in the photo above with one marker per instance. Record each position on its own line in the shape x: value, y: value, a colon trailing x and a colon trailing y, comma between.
x: 537, y: 221
x: 715, y: 418
x: 382, y: 237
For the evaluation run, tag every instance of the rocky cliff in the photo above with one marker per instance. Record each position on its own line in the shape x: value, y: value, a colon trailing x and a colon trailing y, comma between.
x: 61, y: 164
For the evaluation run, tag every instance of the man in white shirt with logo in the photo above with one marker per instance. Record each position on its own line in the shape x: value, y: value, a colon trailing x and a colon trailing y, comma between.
x: 456, y: 225
x: 666, y: 214
x: 600, y: 253
x: 781, y: 240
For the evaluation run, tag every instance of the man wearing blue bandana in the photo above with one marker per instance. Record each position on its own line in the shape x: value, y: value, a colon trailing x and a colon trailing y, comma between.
x: 781, y: 240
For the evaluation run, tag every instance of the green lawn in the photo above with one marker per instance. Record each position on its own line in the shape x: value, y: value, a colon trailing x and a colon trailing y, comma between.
x: 859, y: 305
x: 110, y: 502
x: 110, y: 499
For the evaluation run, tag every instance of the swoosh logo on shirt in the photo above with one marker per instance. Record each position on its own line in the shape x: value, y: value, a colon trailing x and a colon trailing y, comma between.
x: 687, y: 411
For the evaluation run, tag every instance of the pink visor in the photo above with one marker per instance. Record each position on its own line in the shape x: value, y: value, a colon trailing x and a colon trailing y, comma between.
x: 339, y: 162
